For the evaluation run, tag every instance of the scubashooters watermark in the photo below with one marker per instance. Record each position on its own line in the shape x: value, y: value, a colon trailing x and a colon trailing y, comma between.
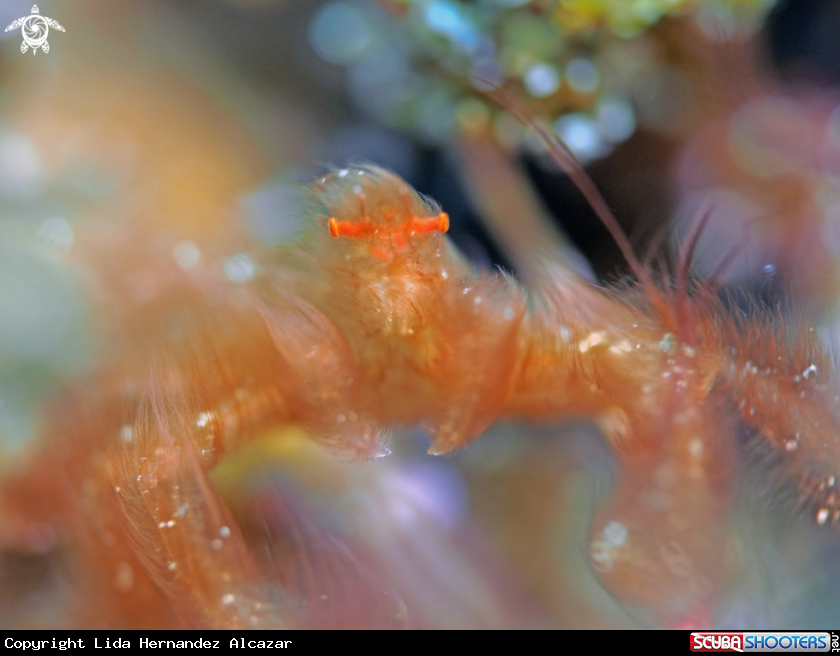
x: 791, y: 641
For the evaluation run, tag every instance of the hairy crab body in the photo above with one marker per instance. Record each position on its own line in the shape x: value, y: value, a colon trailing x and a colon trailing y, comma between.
x: 373, y: 320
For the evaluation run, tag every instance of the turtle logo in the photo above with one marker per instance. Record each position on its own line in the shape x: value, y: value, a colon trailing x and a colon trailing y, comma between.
x: 35, y: 30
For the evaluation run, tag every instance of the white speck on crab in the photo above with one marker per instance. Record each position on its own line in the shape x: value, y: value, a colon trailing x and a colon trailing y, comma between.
x: 810, y: 370
x: 592, y: 340
x: 343, y: 173
x: 477, y: 300
x: 600, y: 557
x: 228, y: 599
x: 443, y: 274
x: 615, y: 534
x: 668, y: 342
x: 203, y: 419
x: 509, y: 314
x: 224, y: 532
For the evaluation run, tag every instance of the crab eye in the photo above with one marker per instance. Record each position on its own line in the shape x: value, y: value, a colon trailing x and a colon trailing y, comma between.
x: 438, y: 223
x: 415, y: 226
x: 349, y: 228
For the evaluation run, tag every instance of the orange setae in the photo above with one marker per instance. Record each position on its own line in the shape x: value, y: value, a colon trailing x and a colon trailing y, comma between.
x: 346, y: 343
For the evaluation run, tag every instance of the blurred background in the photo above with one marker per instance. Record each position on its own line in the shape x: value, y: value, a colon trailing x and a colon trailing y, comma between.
x: 168, y: 133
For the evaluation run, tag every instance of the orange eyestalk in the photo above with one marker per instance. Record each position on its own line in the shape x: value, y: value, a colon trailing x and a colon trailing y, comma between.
x: 422, y: 226
x: 415, y: 226
x: 350, y: 229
